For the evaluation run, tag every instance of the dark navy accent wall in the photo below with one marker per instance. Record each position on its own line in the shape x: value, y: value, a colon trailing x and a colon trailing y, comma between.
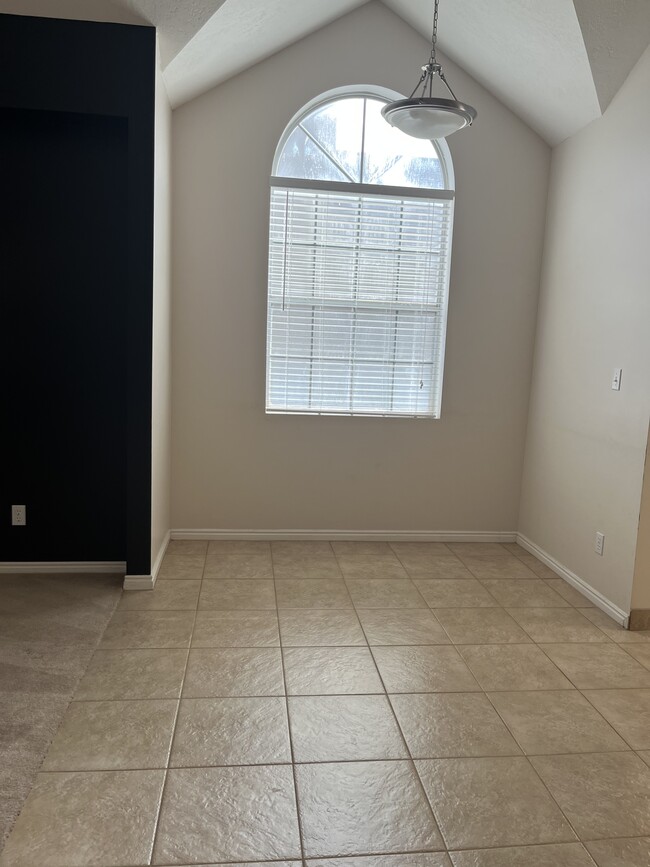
x: 76, y: 270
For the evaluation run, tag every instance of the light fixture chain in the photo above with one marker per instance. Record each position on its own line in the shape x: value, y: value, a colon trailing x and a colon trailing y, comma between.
x: 434, y: 34
x: 426, y: 116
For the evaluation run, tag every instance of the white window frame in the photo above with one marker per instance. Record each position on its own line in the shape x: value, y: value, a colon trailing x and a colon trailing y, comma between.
x: 443, y: 194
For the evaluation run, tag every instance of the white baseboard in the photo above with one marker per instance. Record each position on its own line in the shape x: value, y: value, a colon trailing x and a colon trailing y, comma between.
x: 155, y: 569
x: 146, y: 582
x: 58, y: 566
x: 574, y: 580
x: 349, y: 535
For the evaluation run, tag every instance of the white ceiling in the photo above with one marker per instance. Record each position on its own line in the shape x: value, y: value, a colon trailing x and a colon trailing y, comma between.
x: 242, y: 33
x: 556, y: 63
x: 530, y: 51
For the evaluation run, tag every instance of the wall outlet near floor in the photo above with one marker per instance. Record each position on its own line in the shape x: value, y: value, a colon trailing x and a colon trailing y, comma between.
x: 600, y: 543
x: 18, y: 516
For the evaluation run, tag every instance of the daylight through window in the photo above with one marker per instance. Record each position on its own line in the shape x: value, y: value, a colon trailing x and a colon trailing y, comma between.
x: 359, y: 251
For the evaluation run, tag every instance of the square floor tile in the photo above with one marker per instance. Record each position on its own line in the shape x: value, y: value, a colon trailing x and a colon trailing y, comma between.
x: 515, y: 666
x: 640, y: 652
x: 372, y: 567
x: 181, y: 568
x: 233, y: 671
x: 301, y: 549
x: 363, y: 549
x: 548, y: 855
x: 514, y: 593
x: 628, y: 710
x: 491, y: 802
x: 455, y: 593
x: 256, y: 864
x: 133, y: 674
x: 339, y: 728
x: 357, y: 559
x: 140, y: 629
x: 320, y: 628
x: 330, y: 671
x: 84, y: 819
x: 602, y: 794
x: 242, y: 547
x: 479, y: 549
x: 499, y: 568
x: 557, y: 625
x: 402, y: 626
x: 113, y: 736
x: 429, y: 549
x: 423, y: 669
x: 452, y: 725
x: 440, y: 568
x: 231, y: 731
x: 598, y: 666
x: 166, y: 595
x: 614, y: 630
x: 227, y: 593
x: 621, y: 853
x: 384, y: 593
x: 228, y: 814
x: 566, y: 591
x: 481, y: 626
x: 424, y: 859
x: 239, y: 567
x: 355, y: 807
x: 187, y: 548
x: 315, y: 593
x: 540, y: 569
x: 423, y: 560
x: 237, y: 560
x: 547, y: 722
x: 294, y: 569
x: 236, y: 628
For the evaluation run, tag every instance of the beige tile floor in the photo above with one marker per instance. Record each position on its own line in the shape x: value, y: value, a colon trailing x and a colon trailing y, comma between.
x: 351, y: 705
x: 49, y: 628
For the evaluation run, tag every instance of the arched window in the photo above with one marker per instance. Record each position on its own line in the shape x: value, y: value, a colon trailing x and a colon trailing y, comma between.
x: 359, y: 252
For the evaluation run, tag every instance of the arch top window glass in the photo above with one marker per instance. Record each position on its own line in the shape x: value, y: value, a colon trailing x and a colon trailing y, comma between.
x: 359, y: 253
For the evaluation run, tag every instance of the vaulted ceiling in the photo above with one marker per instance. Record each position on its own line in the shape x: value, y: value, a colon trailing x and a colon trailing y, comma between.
x: 557, y: 63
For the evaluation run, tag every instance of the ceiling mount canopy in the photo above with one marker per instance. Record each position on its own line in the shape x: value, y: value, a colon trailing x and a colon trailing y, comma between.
x: 428, y: 116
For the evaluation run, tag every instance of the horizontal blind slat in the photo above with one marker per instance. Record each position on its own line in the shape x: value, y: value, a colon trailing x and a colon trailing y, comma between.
x: 357, y: 302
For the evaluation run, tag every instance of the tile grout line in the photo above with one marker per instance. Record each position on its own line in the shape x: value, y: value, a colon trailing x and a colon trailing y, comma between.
x: 530, y: 764
x: 535, y: 771
x: 301, y: 841
x: 156, y: 828
x: 316, y: 860
x: 523, y: 754
x: 402, y: 735
x: 611, y: 725
x: 608, y: 640
x: 457, y: 646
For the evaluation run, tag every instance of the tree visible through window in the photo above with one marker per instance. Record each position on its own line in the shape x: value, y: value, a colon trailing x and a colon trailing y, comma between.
x: 359, y: 249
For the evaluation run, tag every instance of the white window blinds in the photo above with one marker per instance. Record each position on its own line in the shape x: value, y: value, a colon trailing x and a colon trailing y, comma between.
x: 357, y: 302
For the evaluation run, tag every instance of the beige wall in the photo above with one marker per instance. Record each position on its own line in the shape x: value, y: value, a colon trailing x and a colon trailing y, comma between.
x: 641, y: 585
x: 586, y: 443
x: 236, y: 468
x: 161, y: 367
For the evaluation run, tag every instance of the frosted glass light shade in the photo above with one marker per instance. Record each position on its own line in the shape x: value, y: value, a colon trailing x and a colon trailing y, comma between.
x: 427, y: 117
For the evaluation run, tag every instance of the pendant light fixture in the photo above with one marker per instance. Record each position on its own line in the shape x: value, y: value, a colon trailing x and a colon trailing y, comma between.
x: 428, y: 116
